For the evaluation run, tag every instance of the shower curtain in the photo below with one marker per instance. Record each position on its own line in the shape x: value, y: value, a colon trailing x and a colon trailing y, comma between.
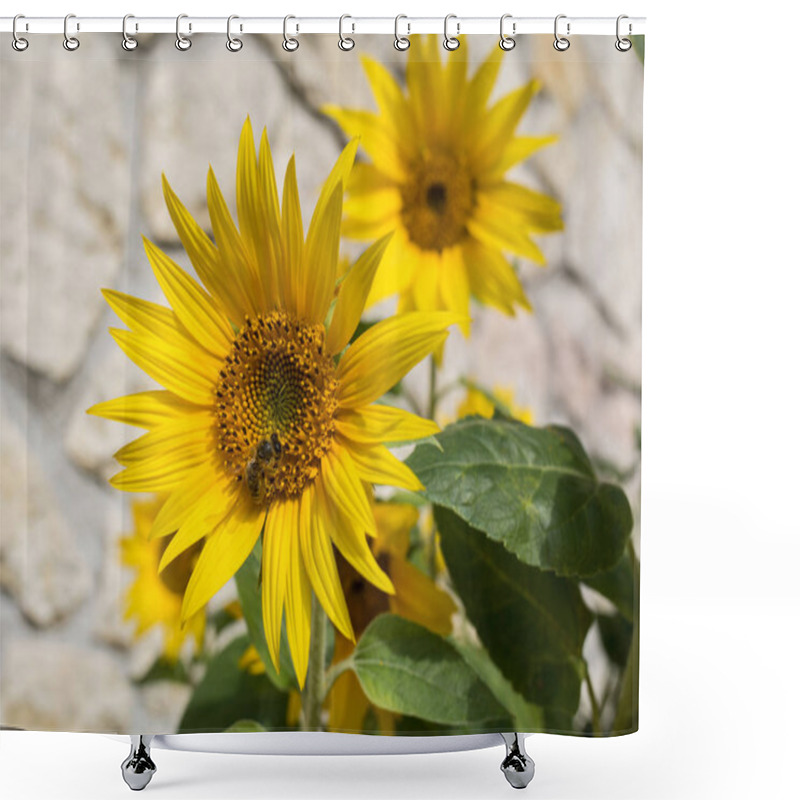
x: 321, y: 381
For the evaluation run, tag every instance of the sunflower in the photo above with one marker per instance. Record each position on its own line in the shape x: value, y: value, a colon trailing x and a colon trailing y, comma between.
x: 266, y: 424
x: 155, y: 598
x: 439, y: 156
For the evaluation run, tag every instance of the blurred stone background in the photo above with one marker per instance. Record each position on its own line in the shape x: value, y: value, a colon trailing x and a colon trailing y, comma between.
x: 85, y: 137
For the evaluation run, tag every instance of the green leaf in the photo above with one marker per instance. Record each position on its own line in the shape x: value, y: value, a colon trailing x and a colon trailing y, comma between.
x: 249, y: 590
x: 532, y: 623
x: 532, y: 489
x: 616, y: 633
x: 617, y: 585
x: 405, y: 668
x: 227, y: 694
x: 527, y: 716
x: 164, y: 670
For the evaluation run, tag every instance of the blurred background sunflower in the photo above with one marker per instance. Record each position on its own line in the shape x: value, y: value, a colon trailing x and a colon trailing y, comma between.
x: 154, y: 598
x: 438, y: 157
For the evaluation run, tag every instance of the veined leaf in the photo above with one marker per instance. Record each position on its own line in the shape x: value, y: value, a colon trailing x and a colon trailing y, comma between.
x: 532, y: 623
x: 405, y: 668
x: 532, y: 489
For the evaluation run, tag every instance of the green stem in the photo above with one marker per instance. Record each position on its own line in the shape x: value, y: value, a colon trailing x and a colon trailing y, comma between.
x: 595, y: 705
x: 335, y: 670
x: 432, y: 390
x: 315, y: 688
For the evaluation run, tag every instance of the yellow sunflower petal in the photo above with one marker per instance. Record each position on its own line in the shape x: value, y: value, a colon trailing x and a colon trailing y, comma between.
x: 500, y: 121
x: 348, y: 537
x: 353, y: 294
x: 390, y: 99
x: 204, y: 257
x: 480, y: 88
x: 224, y: 551
x: 490, y: 226
x: 143, y: 409
x: 376, y: 138
x: 320, y: 564
x: 163, y: 475
x: 188, y: 432
x: 454, y: 285
x: 234, y: 258
x: 539, y: 212
x: 197, y: 485
x: 269, y: 186
x: 382, y: 355
x: 376, y: 464
x: 172, y: 368
x: 153, y: 319
x: 192, y: 305
x: 380, y: 424
x: 492, y: 279
x: 253, y: 221
x: 292, y: 228
x: 203, y: 518
x: 298, y: 609
x: 339, y: 174
x: 341, y: 478
x: 424, y: 80
x: 282, y: 523
x: 321, y: 259
x: 395, y: 271
x: 518, y: 149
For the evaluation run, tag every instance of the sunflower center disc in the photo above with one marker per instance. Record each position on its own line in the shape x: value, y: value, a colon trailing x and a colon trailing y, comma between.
x: 276, y: 400
x: 437, y: 202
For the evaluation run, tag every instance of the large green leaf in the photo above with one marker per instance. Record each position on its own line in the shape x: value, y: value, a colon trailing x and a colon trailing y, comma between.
x: 532, y: 623
x: 405, y: 668
x: 533, y: 489
x: 227, y: 694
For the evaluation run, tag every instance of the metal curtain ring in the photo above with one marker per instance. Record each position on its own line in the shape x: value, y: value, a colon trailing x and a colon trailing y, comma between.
x: 450, y: 42
x: 345, y: 42
x: 623, y: 45
x: 128, y: 42
x: 17, y: 42
x: 233, y: 44
x: 560, y: 43
x: 70, y: 43
x: 181, y: 42
x: 290, y: 44
x: 401, y: 42
x: 507, y: 42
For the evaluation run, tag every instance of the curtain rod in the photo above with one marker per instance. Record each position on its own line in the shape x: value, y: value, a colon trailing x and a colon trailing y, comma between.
x: 583, y: 26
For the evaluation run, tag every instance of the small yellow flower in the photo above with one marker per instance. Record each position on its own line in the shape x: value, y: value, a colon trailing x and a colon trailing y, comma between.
x: 480, y: 403
x: 416, y: 598
x: 439, y: 154
x: 155, y: 599
x: 266, y: 426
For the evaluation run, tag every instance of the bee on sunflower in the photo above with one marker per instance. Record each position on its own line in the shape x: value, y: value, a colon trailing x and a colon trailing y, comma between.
x: 439, y: 155
x: 266, y: 425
